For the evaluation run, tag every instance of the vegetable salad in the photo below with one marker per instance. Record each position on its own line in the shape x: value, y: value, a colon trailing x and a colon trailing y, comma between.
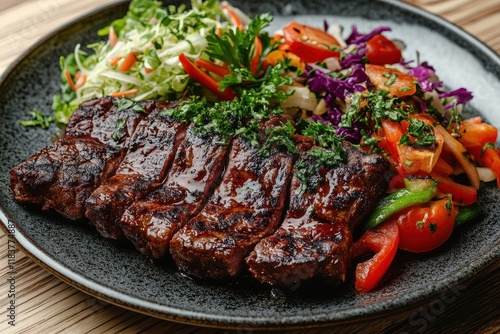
x: 230, y: 73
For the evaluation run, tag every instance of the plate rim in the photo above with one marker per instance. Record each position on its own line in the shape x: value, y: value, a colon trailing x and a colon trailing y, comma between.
x: 93, y: 288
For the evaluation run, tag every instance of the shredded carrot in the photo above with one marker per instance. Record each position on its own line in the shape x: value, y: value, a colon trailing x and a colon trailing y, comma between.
x: 70, y: 80
x: 112, y: 37
x: 81, y: 80
x: 233, y: 16
x: 128, y: 62
x: 114, y: 61
x: 124, y: 93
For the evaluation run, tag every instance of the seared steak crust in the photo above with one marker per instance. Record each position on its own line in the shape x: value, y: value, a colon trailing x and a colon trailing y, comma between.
x: 63, y: 175
x: 315, y: 238
x: 148, y: 159
x: 247, y: 206
x: 215, y: 208
x: 151, y: 222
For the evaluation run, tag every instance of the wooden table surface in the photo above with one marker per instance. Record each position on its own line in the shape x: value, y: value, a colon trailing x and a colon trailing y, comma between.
x: 45, y: 304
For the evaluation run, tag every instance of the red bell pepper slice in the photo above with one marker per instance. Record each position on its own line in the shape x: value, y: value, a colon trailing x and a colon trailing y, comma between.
x: 205, y: 80
x: 383, y: 241
x: 211, y: 67
x: 462, y: 194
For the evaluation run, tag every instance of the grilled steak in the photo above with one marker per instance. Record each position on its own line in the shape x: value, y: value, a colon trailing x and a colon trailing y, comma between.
x: 315, y: 238
x: 149, y: 157
x: 151, y: 222
x: 247, y: 206
x: 63, y: 175
x: 111, y: 165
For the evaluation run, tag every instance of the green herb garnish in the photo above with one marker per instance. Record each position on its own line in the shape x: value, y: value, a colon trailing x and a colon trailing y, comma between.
x: 37, y: 119
x: 120, y: 130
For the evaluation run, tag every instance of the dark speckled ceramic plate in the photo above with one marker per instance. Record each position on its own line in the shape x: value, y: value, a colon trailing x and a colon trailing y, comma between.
x: 76, y: 253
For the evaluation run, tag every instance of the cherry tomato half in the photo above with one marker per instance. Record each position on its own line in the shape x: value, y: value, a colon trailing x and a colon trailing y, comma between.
x: 423, y: 228
x: 310, y: 44
x: 382, y: 51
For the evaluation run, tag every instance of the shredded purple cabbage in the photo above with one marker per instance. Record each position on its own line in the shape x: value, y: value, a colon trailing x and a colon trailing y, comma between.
x: 424, y: 72
x: 321, y: 81
x: 333, y: 116
x: 352, y: 59
x: 357, y: 38
x: 461, y: 95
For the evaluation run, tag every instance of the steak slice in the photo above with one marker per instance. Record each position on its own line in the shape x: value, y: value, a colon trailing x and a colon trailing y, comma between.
x: 148, y: 159
x: 315, y: 239
x: 103, y: 121
x: 63, y: 175
x: 247, y: 206
x: 151, y: 222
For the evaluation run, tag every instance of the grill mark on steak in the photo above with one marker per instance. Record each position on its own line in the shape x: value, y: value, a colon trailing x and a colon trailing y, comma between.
x: 315, y: 239
x: 63, y: 175
x: 151, y: 222
x: 148, y: 159
x: 97, y: 120
x: 245, y: 207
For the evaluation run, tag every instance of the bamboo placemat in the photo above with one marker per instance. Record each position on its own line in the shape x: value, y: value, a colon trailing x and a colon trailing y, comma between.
x: 47, y: 305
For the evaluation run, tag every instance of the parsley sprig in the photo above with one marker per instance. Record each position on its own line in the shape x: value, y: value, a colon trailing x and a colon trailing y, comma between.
x: 236, y: 47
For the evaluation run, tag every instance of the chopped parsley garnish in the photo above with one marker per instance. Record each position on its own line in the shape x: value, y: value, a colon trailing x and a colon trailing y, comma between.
x: 379, y: 106
x: 330, y: 153
x: 279, y: 137
x: 422, y: 132
x: 433, y: 227
x: 120, y: 130
x: 37, y: 119
x: 485, y: 147
x: 449, y: 206
x: 124, y: 104
x: 391, y: 79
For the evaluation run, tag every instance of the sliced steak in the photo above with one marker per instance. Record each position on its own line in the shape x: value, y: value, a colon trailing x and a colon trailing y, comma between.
x: 63, y: 175
x: 149, y: 157
x: 151, y: 222
x: 315, y: 239
x: 245, y: 207
x: 103, y: 121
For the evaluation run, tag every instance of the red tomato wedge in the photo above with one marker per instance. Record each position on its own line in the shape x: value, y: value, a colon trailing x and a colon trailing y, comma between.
x: 412, y: 159
x: 382, y: 51
x: 310, y: 44
x: 473, y: 132
x: 383, y: 241
x: 395, y: 82
x: 424, y: 228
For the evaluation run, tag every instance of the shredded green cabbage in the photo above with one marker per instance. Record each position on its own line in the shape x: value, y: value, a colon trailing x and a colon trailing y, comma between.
x: 156, y: 35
